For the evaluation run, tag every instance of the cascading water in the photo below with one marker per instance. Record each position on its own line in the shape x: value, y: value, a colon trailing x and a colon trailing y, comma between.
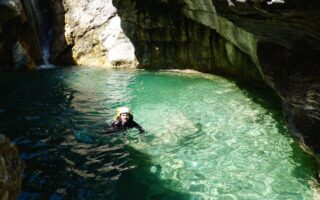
x: 38, y: 17
x: 46, y: 53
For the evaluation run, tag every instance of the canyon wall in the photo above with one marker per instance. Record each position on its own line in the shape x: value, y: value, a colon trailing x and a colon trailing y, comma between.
x: 277, y: 44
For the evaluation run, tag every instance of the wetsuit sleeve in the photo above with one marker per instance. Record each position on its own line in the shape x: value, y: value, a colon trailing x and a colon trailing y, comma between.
x: 110, y: 128
x: 137, y: 126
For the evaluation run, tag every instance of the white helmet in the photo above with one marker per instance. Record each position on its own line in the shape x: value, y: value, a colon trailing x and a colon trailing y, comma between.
x: 122, y: 110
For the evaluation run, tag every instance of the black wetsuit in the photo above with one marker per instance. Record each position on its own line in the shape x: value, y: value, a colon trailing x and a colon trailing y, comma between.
x: 118, y: 126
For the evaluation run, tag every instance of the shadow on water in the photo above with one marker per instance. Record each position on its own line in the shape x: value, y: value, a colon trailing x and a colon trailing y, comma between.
x: 75, y: 170
x: 302, y: 162
x: 145, y: 183
x: 271, y: 102
x: 266, y: 98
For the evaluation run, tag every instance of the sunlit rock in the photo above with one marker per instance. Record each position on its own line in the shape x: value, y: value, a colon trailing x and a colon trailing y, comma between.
x: 93, y: 29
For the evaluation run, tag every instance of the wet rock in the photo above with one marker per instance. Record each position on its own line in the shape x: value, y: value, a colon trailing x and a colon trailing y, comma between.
x: 165, y: 37
x: 61, y: 52
x: 9, y: 12
x: 21, y: 58
x: 18, y: 48
x: 10, y: 170
x: 287, y: 42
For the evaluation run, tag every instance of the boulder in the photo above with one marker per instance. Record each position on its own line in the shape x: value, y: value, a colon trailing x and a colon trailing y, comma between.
x: 11, y: 168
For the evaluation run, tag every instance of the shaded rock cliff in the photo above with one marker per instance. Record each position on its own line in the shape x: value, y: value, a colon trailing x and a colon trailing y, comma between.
x: 286, y: 41
x: 19, y: 45
x: 277, y: 44
x: 10, y: 170
x: 164, y: 37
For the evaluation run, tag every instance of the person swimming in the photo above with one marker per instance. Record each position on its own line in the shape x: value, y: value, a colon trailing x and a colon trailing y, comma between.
x: 123, y: 121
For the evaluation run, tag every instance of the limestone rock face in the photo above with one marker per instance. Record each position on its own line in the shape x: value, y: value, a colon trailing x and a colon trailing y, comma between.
x: 61, y: 53
x: 165, y: 37
x: 10, y: 170
x: 93, y: 31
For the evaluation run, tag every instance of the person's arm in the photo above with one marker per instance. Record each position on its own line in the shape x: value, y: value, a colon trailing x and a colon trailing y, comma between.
x: 110, y: 128
x: 137, y: 126
x: 140, y: 129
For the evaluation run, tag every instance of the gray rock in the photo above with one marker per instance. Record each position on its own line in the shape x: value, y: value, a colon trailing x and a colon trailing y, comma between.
x: 20, y: 56
x: 93, y: 29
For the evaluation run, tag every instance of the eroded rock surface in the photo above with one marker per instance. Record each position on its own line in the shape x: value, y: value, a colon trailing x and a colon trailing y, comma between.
x: 287, y: 47
x: 10, y: 170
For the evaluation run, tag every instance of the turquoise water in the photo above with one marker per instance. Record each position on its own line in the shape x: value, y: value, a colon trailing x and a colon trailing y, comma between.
x: 207, y: 137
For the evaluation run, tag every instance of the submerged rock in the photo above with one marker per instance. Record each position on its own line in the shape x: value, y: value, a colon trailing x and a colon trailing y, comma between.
x: 10, y: 170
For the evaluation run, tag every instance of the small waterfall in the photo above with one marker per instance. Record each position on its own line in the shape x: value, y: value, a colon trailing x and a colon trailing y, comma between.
x: 46, y: 53
x: 39, y: 18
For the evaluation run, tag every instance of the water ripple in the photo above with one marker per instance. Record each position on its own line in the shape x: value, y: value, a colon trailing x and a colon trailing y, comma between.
x: 205, y: 138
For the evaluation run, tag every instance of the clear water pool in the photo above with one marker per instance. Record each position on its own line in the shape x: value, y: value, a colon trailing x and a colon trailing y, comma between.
x: 207, y: 137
